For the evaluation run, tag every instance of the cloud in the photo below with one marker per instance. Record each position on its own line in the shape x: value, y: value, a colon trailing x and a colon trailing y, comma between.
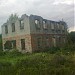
x: 68, y: 2
x: 6, y: 2
x: 49, y: 9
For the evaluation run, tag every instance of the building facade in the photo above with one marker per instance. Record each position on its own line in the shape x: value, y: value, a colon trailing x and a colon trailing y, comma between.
x: 32, y: 33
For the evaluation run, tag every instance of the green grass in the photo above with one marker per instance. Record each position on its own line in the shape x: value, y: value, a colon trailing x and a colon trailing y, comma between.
x: 13, y: 59
x: 13, y: 63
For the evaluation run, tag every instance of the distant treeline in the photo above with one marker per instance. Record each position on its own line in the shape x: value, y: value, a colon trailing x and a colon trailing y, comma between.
x: 1, y: 42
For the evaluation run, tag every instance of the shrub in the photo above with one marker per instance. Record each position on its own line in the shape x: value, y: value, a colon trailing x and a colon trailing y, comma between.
x: 58, y: 60
x: 6, y: 68
x: 2, y: 53
x: 14, y: 53
x: 52, y: 50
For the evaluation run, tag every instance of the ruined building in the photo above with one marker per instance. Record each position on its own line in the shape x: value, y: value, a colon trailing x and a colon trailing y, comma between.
x: 32, y: 33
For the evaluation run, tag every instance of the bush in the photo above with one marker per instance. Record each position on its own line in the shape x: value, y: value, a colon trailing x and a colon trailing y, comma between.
x: 6, y: 68
x: 1, y: 47
x: 52, y: 50
x: 14, y: 53
x: 2, y: 53
x: 58, y: 59
x: 39, y: 64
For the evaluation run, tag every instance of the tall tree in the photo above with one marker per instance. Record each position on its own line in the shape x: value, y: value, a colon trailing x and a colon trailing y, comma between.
x: 72, y: 36
x: 70, y: 44
x: 0, y: 41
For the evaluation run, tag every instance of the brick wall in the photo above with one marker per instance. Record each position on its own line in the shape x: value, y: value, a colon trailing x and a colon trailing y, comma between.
x: 31, y: 41
x: 44, y: 42
x: 27, y: 38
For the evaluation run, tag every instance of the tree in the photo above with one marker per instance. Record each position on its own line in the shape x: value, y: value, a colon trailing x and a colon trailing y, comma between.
x: 70, y: 44
x: 1, y: 42
x: 72, y: 37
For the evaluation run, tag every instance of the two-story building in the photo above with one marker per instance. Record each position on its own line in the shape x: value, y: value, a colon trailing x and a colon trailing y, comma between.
x: 32, y: 33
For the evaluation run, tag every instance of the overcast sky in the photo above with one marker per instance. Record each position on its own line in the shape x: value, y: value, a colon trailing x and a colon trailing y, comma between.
x: 48, y: 9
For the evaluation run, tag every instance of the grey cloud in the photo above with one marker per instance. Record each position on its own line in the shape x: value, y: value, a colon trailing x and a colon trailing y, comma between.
x: 45, y: 8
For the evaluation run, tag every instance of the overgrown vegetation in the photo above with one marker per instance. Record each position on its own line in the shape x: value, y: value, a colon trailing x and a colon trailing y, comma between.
x: 0, y: 41
x: 54, y: 61
x: 70, y: 44
x: 14, y: 63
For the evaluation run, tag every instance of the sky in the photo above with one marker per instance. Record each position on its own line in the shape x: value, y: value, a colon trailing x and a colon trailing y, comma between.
x: 49, y: 9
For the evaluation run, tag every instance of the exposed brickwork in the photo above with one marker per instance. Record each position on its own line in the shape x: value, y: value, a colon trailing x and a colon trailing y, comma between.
x: 33, y: 36
x: 43, y: 39
x: 31, y: 41
x: 18, y: 42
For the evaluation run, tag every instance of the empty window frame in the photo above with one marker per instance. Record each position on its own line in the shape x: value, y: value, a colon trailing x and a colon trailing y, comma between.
x: 13, y: 42
x: 37, y: 23
x: 23, y: 44
x: 64, y: 40
x: 6, y: 29
x: 39, y: 42
x: 47, y: 42
x: 21, y: 24
x: 13, y: 27
x: 54, y: 41
x: 58, y: 39
x: 58, y: 26
x: 62, y: 26
x: 8, y: 45
x: 45, y: 25
x: 52, y: 26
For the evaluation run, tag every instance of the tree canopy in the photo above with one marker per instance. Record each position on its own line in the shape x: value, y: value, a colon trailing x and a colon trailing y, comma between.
x: 0, y: 41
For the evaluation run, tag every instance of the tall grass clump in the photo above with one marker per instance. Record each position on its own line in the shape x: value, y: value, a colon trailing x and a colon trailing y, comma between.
x: 6, y: 68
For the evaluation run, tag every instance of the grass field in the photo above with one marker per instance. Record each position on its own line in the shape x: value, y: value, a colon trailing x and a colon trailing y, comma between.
x: 14, y: 63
